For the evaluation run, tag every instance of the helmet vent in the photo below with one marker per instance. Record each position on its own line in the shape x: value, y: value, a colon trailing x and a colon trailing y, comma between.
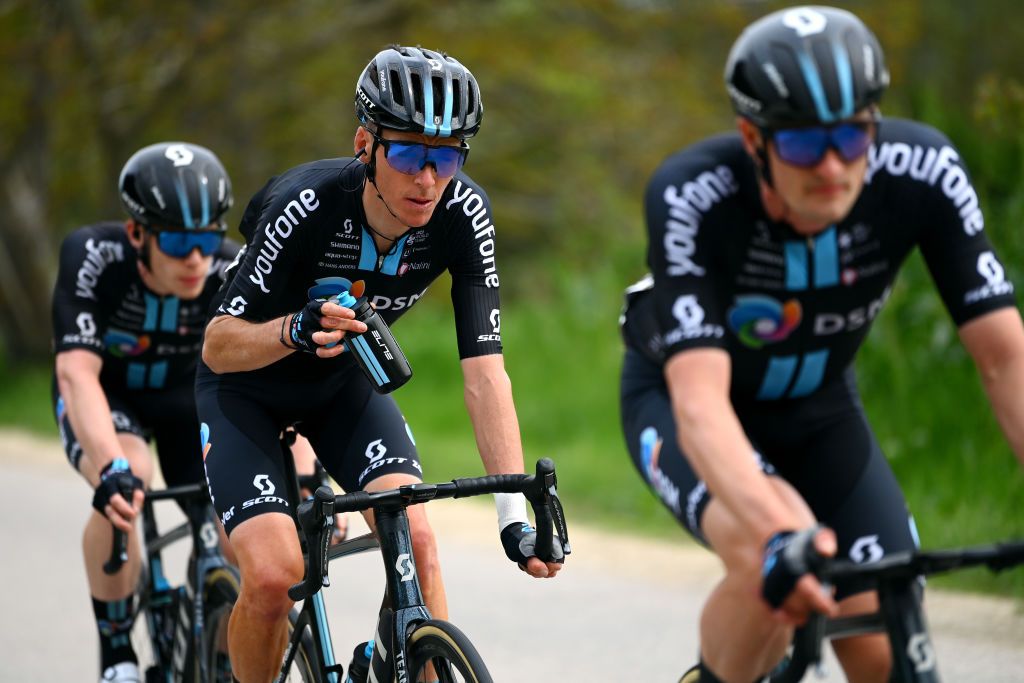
x: 397, y: 91
x: 417, y: 93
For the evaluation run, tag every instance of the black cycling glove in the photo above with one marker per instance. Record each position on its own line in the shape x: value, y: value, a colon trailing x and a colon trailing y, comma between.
x: 116, y: 478
x: 519, y: 540
x: 788, y: 555
x: 305, y: 324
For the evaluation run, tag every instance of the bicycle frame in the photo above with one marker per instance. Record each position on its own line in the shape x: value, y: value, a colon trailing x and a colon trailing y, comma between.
x: 175, y: 650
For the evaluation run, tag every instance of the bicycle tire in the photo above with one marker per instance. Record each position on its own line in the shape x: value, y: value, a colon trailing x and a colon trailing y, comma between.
x: 220, y: 592
x: 304, y: 667
x: 454, y: 657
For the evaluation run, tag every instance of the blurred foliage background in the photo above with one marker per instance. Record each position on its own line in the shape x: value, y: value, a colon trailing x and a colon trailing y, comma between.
x: 583, y: 98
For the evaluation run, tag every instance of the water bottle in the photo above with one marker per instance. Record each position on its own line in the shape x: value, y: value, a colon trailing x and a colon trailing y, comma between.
x: 359, y: 667
x: 376, y: 351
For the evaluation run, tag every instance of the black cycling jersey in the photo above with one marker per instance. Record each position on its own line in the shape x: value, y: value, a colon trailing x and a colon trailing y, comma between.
x: 100, y: 303
x: 309, y: 223
x: 791, y: 310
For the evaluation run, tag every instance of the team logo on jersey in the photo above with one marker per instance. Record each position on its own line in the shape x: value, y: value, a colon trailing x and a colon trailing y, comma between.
x: 758, y: 320
x: 123, y: 344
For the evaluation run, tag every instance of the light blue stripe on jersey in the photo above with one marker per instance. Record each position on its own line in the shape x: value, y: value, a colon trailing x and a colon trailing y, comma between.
x: 157, y: 374
x: 136, y: 378
x: 796, y: 266
x: 826, y: 259
x: 169, y: 315
x: 777, y: 377
x: 812, y: 370
x: 367, y: 253
x: 393, y: 258
x: 152, y: 309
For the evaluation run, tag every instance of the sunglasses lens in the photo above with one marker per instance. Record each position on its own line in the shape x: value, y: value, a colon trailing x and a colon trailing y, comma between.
x: 410, y: 158
x: 406, y: 158
x: 851, y: 139
x: 179, y: 244
x: 447, y: 160
x: 801, y: 146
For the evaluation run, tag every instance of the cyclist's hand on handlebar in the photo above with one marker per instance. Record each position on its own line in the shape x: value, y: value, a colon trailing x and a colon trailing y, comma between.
x: 519, y: 540
x: 119, y: 494
x: 321, y: 325
x: 790, y: 586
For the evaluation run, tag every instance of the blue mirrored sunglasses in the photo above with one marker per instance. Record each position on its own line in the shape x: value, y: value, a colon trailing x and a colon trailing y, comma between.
x: 411, y: 157
x: 806, y: 147
x: 180, y: 243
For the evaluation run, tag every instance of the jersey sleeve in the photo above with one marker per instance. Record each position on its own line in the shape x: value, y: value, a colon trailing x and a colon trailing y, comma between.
x: 682, y: 256
x: 276, y: 226
x: 969, y: 276
x: 474, y: 271
x: 78, y: 318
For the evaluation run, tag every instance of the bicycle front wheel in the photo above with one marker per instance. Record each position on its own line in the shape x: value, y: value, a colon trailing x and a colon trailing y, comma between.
x: 441, y: 645
x: 304, y: 666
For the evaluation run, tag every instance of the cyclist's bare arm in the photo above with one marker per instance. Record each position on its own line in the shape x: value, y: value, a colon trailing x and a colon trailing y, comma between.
x: 235, y: 345
x: 78, y: 380
x: 996, y: 343
x: 488, y: 395
x: 711, y: 436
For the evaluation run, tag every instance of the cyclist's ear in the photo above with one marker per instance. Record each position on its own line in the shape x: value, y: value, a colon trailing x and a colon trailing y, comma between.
x: 134, y: 231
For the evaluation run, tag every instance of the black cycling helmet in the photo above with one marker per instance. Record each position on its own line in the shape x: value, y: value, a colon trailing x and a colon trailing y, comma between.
x: 175, y: 185
x: 805, y: 65
x: 412, y: 89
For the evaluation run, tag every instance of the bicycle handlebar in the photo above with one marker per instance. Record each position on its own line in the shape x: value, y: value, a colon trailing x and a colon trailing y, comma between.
x: 119, y: 544
x: 316, y: 516
x: 899, y: 567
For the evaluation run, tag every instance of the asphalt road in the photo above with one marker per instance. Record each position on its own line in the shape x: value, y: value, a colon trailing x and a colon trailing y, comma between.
x: 621, y: 610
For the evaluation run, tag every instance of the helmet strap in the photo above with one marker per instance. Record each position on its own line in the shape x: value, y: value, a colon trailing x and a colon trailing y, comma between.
x: 761, y: 167
x: 144, y: 251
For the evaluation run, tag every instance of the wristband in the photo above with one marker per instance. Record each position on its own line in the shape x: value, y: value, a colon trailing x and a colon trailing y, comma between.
x: 284, y: 322
x: 511, y: 508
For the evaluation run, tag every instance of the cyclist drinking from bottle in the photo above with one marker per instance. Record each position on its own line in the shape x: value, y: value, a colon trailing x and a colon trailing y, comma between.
x: 383, y: 224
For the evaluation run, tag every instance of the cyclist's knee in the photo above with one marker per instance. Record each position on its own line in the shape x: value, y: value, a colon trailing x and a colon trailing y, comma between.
x: 424, y: 544
x: 270, y: 561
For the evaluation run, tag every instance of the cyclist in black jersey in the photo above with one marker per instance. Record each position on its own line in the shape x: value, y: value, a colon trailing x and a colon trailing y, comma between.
x: 387, y: 222
x: 771, y: 251
x: 129, y: 307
